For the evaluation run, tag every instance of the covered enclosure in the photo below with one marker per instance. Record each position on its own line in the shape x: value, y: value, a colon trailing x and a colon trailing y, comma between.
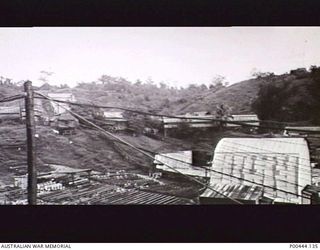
x: 251, y: 119
x: 181, y: 161
x: 280, y: 165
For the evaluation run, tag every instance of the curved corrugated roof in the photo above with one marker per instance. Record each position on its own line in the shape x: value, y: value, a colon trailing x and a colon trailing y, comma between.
x: 282, y: 163
x: 265, y: 145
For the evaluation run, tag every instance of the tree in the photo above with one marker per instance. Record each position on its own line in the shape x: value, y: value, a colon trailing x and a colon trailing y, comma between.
x: 258, y: 74
x: 223, y: 111
x: 203, y: 87
x: 267, y: 103
x: 192, y: 86
x: 138, y: 82
x: 218, y: 82
x: 44, y: 76
x: 64, y: 86
x: 314, y: 91
x: 163, y: 85
x: 149, y: 81
x: 106, y: 79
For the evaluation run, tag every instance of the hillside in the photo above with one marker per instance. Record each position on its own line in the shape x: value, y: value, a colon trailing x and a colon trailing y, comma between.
x: 239, y: 97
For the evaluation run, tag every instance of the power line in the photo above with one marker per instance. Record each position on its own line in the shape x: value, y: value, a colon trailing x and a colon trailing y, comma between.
x: 137, y: 149
x: 248, y: 153
x: 274, y: 188
x: 12, y: 98
x: 241, y: 123
x: 239, y: 144
x: 208, y: 151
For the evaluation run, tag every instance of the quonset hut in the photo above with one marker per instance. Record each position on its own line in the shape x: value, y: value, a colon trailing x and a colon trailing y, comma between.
x: 280, y: 165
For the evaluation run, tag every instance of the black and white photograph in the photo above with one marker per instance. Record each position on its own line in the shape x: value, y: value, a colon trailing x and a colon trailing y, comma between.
x: 160, y: 116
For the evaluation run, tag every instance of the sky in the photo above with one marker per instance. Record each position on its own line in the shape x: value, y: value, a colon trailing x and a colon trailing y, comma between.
x: 178, y: 56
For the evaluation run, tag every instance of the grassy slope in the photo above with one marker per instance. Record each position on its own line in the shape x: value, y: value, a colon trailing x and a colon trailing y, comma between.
x: 237, y: 96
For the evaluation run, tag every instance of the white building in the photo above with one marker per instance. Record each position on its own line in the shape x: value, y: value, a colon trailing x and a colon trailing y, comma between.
x: 113, y: 114
x: 306, y: 130
x: 277, y: 163
x: 115, y: 120
x: 61, y: 107
x: 21, y: 181
x: 181, y: 161
x: 251, y: 119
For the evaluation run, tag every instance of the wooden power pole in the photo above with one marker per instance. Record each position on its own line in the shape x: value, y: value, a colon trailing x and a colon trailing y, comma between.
x: 30, y: 124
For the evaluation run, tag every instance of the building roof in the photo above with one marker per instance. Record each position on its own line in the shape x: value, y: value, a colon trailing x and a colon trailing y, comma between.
x: 61, y: 95
x: 243, y: 117
x: 234, y: 191
x: 113, y: 114
x: 308, y: 128
x: 280, y: 163
x: 251, y: 119
x: 197, y: 122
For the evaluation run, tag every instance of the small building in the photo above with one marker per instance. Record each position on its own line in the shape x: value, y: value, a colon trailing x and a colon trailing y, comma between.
x: 251, y: 119
x: 281, y: 165
x: 190, y: 120
x: 242, y: 193
x: 194, y: 121
x: 181, y: 161
x: 304, y: 131
x: 65, y: 123
x: 42, y: 185
x: 60, y: 107
x: 115, y: 120
x: 49, y: 186
x: 21, y: 181
x: 312, y: 135
x: 150, y: 131
x: 10, y: 113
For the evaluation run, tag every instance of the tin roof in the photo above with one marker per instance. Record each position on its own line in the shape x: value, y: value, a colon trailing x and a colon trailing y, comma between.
x: 113, y: 114
x: 234, y: 191
x: 61, y: 95
x: 242, y: 117
x: 280, y: 163
x: 308, y: 128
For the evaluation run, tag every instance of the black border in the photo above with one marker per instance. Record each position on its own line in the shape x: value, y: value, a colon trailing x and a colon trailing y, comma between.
x: 159, y: 223
x: 159, y: 13
x: 219, y: 223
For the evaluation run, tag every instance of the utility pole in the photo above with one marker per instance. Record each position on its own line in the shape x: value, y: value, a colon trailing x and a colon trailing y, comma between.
x: 30, y: 124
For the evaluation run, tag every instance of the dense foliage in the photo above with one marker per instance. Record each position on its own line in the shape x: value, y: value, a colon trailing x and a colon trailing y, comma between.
x: 293, y: 97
